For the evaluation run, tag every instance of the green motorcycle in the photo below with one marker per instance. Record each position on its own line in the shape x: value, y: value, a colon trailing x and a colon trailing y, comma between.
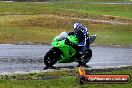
x: 63, y: 51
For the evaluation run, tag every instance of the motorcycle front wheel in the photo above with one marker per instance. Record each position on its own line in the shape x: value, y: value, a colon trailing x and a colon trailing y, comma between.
x: 51, y: 57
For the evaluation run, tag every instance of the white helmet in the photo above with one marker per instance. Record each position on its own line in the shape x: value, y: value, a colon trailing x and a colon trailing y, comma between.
x: 77, y: 25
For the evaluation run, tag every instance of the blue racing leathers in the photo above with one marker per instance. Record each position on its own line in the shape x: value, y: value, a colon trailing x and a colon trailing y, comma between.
x: 83, y: 38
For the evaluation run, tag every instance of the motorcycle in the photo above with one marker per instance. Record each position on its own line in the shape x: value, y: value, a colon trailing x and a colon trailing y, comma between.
x: 63, y: 50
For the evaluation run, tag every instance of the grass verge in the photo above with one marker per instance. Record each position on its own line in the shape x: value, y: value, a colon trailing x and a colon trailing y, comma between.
x: 35, y: 23
x: 77, y: 9
x: 64, y: 79
x: 42, y: 29
x: 93, y: 0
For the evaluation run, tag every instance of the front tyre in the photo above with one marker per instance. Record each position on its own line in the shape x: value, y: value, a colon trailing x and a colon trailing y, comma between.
x: 51, y: 57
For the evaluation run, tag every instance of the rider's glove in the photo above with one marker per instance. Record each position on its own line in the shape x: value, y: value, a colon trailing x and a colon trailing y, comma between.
x: 71, y: 33
x: 67, y: 42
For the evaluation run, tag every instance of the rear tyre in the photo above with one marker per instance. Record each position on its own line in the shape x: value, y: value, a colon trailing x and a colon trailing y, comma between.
x: 85, y: 57
x: 51, y: 57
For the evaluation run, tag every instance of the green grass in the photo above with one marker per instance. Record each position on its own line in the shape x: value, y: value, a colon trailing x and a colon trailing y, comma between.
x: 113, y: 34
x: 40, y: 22
x: 93, y: 0
x: 67, y: 81
x: 65, y: 9
x: 40, y: 29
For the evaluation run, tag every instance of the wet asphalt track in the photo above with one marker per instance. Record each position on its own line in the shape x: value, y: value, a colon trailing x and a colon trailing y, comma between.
x: 26, y: 58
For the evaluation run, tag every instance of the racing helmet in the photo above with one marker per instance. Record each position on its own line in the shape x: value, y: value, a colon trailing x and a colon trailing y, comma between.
x: 77, y: 27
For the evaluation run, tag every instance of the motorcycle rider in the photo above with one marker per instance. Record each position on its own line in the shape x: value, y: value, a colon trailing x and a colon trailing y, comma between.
x: 81, y: 32
x: 82, y: 48
x: 63, y: 44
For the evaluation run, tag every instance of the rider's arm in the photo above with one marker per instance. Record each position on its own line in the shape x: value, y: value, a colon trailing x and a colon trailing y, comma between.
x: 83, y: 42
x: 62, y: 36
x: 84, y: 38
x: 70, y: 33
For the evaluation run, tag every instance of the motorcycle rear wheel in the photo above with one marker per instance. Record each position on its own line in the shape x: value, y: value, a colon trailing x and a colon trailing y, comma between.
x: 85, y: 57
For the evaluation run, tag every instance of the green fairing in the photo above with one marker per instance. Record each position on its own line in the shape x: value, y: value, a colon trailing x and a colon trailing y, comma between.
x: 67, y: 50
